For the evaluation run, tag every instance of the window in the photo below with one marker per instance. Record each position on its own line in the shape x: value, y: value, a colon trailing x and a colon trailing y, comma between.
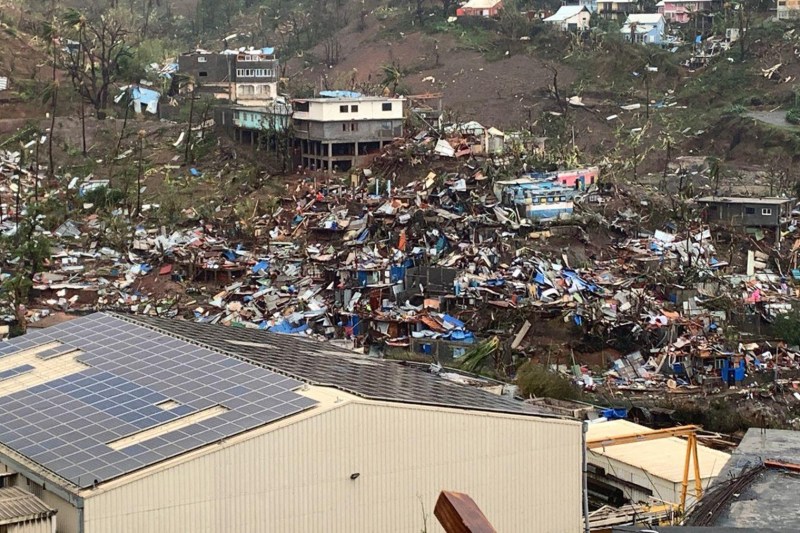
x: 749, y: 210
x: 767, y: 212
x: 713, y: 207
x: 201, y: 59
x: 203, y: 74
x: 344, y: 127
x: 342, y: 109
x: 301, y: 106
x: 354, y: 109
x: 386, y: 107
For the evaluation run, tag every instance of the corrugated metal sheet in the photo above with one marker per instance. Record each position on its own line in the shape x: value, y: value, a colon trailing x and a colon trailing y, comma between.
x: 524, y: 473
x: 663, y: 458
x: 17, y: 505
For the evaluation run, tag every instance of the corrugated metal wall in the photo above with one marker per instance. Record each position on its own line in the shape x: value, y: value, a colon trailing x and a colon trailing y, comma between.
x: 663, y: 489
x: 525, y: 473
x: 33, y: 526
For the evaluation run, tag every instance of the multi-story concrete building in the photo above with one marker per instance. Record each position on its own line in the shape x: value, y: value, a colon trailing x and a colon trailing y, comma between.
x: 245, y: 77
x: 332, y: 133
x: 681, y: 11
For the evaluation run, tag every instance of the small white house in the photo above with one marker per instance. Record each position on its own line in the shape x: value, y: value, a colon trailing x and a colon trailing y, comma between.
x: 571, y: 18
x: 646, y: 28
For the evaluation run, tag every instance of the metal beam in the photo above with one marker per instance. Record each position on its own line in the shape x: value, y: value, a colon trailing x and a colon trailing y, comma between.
x: 680, y: 431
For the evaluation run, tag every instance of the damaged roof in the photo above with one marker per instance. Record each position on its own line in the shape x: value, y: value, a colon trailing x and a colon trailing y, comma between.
x: 325, y: 365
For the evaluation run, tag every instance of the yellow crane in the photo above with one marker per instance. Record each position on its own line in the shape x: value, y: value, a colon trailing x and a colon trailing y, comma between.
x: 690, y: 432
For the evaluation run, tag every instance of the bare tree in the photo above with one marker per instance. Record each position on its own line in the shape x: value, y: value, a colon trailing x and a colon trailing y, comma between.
x: 94, y: 62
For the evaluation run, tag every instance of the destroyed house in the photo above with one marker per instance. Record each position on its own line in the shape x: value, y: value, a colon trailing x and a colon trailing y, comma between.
x: 536, y: 199
x: 333, y: 132
x: 131, y: 424
x: 746, y: 211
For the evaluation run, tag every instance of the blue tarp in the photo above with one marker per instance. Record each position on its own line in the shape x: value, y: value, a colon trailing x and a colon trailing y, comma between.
x: 229, y: 255
x: 340, y: 94
x: 453, y: 320
x: 261, y: 265
x: 615, y: 414
x: 145, y: 97
x: 269, y: 50
x: 286, y: 328
x: 397, y: 273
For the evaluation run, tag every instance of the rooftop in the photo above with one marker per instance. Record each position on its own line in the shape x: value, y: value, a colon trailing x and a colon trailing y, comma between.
x: 744, y: 200
x: 99, y: 397
x: 565, y: 12
x: 481, y: 4
x: 657, y: 457
x: 17, y: 505
x: 644, y: 18
x: 322, y: 364
x: 344, y: 98
x: 771, y: 500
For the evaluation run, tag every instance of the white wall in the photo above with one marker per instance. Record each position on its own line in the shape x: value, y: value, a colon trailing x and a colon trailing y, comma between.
x: 371, y: 109
x: 524, y: 473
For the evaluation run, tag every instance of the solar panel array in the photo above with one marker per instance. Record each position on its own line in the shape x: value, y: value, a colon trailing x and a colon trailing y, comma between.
x: 14, y: 372
x: 67, y: 424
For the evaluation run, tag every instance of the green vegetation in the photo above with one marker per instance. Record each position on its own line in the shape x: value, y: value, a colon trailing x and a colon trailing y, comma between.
x: 787, y: 326
x: 534, y: 379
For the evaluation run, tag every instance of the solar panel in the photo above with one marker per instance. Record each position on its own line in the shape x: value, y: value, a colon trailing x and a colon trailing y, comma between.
x: 67, y: 424
x: 55, y: 352
x: 16, y: 371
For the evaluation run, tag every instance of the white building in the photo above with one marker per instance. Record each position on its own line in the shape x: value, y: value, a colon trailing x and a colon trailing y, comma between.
x: 649, y: 469
x: 571, y: 18
x: 151, y: 425
x: 333, y: 133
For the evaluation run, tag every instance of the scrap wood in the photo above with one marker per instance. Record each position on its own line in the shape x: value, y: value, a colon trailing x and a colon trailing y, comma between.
x: 772, y: 463
x: 458, y: 513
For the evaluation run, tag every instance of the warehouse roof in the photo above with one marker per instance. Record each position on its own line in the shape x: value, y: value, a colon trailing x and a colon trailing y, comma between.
x: 770, y: 501
x: 663, y: 458
x: 98, y: 397
x: 17, y: 505
x: 322, y: 364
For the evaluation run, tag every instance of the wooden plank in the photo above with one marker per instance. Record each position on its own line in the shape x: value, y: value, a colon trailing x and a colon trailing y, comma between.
x: 458, y: 513
x: 521, y: 335
x: 779, y: 464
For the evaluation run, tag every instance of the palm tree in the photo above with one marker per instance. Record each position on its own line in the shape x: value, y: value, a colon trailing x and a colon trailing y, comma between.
x: 391, y: 77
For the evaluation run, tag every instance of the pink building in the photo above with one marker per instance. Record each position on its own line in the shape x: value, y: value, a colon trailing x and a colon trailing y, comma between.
x: 680, y: 11
x: 480, y: 8
x: 578, y: 179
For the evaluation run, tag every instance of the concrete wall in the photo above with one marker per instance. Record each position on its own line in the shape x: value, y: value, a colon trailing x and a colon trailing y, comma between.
x: 207, y: 68
x: 736, y: 214
x: 524, y: 473
x: 347, y: 109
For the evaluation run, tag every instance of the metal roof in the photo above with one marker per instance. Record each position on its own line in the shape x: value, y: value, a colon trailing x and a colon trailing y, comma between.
x: 565, y: 12
x: 99, y: 397
x: 662, y: 458
x: 322, y: 364
x: 743, y: 200
x: 17, y: 505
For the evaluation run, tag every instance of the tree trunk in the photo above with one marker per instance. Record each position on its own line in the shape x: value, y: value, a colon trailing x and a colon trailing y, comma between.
x: 52, y: 169
x: 139, y: 177
x: 189, y: 129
